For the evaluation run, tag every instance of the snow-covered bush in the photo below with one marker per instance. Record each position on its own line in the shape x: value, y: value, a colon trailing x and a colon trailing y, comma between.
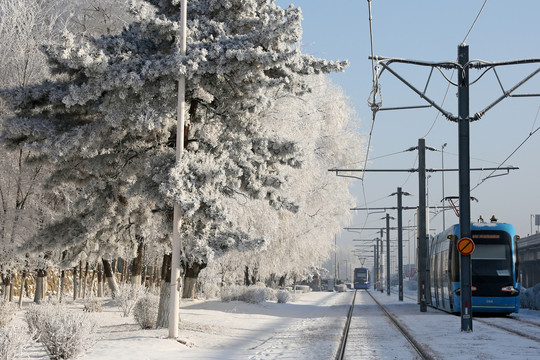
x: 210, y: 290
x: 7, y: 311
x: 128, y: 295
x: 146, y: 311
x: 258, y: 294
x: 530, y: 298
x: 283, y: 296
x: 93, y: 305
x: 13, y: 340
x: 255, y: 294
x: 303, y: 288
x: 64, y: 334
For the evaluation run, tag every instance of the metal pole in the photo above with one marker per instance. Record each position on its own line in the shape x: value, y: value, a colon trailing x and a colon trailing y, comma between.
x: 335, y: 260
x: 442, y: 166
x: 176, y: 240
x: 374, y: 276
x: 388, y: 254
x: 376, y: 266
x: 381, y: 258
x: 464, y: 187
x: 422, y: 242
x: 400, y: 244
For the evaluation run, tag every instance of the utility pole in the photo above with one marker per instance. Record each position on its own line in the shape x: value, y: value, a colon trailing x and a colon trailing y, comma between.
x: 387, y: 254
x: 464, y: 186
x: 400, y: 244
x: 176, y: 240
x: 422, y: 241
x: 381, y: 262
x: 375, y: 275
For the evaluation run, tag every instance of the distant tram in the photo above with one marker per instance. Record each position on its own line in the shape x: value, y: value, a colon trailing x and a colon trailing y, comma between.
x: 361, y: 278
x: 495, y: 269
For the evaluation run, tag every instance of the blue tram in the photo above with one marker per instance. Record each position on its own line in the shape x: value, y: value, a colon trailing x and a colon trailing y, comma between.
x: 495, y: 269
x: 361, y: 278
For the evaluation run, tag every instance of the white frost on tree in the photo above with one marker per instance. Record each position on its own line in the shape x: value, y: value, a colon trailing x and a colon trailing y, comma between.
x: 107, y: 123
x: 324, y: 126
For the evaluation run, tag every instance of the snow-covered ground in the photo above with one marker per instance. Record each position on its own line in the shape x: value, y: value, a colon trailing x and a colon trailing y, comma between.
x: 308, y: 328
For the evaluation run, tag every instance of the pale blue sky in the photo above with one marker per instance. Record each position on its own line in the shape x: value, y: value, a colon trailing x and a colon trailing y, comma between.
x: 431, y: 31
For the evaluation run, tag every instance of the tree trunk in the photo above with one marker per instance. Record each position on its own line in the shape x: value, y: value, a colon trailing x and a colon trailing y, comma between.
x: 41, y: 285
x: 85, y: 280
x: 8, y: 283
x: 111, y: 279
x: 23, y: 284
x: 91, y: 285
x: 189, y: 290
x: 80, y: 280
x: 281, y: 282
x: 165, y: 293
x: 62, y: 280
x: 246, y: 277
x: 100, y: 280
x: 2, y: 285
x: 75, y: 283
x: 136, y: 267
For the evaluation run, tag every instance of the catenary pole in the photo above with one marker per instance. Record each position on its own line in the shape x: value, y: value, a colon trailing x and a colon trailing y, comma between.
x: 464, y: 186
x: 422, y: 241
x: 400, y: 243
x: 381, y: 261
x: 177, y: 241
x: 388, y: 254
x: 374, y: 276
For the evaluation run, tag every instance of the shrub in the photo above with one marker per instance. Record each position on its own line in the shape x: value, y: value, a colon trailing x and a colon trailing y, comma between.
x: 255, y: 294
x: 283, y: 296
x: 7, y: 311
x: 13, y: 340
x: 93, y: 305
x: 127, y: 296
x: 303, y: 288
x: 146, y: 311
x: 530, y: 298
x: 64, y: 334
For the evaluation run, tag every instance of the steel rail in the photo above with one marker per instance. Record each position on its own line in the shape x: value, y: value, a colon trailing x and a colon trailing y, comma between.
x: 343, y: 342
x: 416, y: 345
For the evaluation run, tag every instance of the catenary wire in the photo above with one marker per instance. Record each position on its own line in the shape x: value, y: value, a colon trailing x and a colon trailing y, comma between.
x: 508, y: 157
x: 474, y: 22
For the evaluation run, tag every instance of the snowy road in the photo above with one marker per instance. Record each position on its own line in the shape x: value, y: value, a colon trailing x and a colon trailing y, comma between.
x: 307, y: 329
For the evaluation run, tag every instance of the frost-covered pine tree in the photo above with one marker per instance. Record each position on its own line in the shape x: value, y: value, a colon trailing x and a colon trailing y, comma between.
x: 107, y: 121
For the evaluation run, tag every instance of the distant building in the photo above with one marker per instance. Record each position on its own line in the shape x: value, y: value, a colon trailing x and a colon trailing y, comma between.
x: 529, y: 258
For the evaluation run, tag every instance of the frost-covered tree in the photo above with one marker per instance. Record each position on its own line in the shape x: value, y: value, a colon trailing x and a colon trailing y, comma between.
x: 26, y: 25
x: 324, y: 126
x: 106, y: 124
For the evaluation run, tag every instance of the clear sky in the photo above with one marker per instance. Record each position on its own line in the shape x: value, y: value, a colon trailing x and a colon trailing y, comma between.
x: 431, y: 31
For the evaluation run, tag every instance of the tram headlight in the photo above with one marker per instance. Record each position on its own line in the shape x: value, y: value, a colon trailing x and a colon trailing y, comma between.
x: 510, y: 289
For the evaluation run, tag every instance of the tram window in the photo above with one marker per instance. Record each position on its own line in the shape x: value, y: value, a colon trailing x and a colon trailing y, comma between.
x: 489, y: 252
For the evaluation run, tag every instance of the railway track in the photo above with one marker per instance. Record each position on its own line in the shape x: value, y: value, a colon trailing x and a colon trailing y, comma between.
x: 501, y: 323
x: 416, y: 349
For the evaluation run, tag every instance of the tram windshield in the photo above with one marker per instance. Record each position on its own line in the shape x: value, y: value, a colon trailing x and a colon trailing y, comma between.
x: 492, y: 255
x: 361, y: 276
